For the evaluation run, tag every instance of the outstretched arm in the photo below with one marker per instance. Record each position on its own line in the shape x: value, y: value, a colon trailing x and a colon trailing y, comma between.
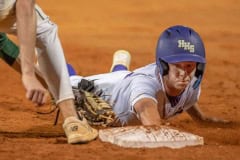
x: 198, y: 116
x: 147, y: 112
x: 26, y: 32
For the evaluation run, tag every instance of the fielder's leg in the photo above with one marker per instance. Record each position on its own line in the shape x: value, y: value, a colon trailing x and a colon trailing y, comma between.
x: 53, y: 68
x: 52, y: 65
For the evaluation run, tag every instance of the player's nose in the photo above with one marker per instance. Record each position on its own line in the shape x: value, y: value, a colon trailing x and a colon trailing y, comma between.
x: 182, y: 72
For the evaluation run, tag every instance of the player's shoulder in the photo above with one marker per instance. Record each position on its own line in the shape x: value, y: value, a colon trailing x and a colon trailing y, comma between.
x: 143, y: 80
x: 149, y: 70
x: 148, y: 67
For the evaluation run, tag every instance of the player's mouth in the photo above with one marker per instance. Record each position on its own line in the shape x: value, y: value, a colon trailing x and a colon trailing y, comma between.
x: 182, y: 83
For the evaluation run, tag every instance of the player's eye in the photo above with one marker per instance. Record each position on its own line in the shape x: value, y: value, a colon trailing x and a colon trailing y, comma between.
x: 190, y: 67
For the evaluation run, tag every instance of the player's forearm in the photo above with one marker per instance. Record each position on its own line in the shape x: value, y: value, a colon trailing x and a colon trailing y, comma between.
x: 195, y: 113
x: 147, y: 112
x: 26, y: 24
x: 198, y: 116
x: 148, y: 120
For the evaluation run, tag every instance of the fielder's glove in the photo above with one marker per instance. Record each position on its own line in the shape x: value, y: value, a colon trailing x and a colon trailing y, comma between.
x: 92, y: 106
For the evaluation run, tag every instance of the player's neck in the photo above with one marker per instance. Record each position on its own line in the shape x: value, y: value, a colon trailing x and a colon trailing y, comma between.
x: 171, y: 91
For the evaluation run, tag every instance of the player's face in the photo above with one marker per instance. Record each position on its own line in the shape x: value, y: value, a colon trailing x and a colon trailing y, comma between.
x: 179, y: 76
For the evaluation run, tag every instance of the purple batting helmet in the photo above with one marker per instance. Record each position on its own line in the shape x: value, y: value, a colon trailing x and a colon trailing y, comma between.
x: 180, y: 44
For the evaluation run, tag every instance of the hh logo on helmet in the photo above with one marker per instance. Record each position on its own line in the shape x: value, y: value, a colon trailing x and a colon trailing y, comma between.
x: 186, y: 46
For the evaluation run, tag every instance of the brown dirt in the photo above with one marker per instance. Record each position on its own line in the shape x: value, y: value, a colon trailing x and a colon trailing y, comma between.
x: 90, y: 32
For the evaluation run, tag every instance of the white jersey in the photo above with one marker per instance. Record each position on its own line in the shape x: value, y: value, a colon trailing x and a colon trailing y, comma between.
x: 6, y: 7
x: 122, y: 89
x: 8, y: 16
x: 5, y: 4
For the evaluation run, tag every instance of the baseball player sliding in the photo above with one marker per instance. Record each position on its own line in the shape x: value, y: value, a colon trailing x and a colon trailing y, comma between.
x: 34, y: 30
x: 159, y: 90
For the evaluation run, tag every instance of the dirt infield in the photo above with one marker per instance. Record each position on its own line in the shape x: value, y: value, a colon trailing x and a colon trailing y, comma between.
x: 90, y: 32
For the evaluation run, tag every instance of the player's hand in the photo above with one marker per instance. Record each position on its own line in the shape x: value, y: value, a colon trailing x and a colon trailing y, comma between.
x: 35, y: 91
x: 217, y: 120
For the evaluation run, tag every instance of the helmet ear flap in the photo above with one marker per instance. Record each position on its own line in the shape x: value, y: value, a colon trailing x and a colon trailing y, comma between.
x: 199, y: 70
x: 199, y: 74
x: 164, y: 67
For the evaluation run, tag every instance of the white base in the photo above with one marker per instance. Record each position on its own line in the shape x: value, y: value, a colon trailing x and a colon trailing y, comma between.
x: 146, y: 137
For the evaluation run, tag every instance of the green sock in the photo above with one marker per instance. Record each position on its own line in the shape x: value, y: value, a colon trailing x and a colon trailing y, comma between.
x: 9, y: 51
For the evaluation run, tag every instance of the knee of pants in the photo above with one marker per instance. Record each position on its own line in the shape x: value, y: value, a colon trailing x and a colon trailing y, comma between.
x: 52, y: 62
x: 47, y: 39
x: 46, y: 29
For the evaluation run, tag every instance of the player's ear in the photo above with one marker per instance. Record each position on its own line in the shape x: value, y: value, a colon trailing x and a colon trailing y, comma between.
x: 165, y: 67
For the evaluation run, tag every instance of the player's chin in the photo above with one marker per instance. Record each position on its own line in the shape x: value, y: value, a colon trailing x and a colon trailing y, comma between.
x: 181, y: 85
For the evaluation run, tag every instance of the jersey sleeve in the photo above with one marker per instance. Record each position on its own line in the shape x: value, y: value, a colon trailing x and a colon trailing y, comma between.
x: 143, y: 87
x: 129, y: 91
